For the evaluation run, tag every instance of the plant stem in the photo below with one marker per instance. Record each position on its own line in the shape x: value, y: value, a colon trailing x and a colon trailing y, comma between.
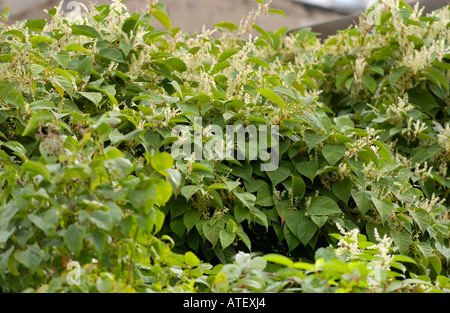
x: 132, y: 256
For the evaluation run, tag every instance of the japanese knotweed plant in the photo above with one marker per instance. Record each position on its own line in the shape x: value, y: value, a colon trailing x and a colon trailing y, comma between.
x: 93, y: 105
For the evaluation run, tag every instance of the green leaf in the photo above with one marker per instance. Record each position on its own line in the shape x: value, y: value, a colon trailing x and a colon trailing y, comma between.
x: 363, y: 200
x: 191, y: 259
x: 312, y: 139
x: 438, y: 76
x: 323, y: 206
x: 116, y: 137
x: 64, y: 85
x: 7, y: 212
x: 102, y: 220
x: 16, y: 33
x: 342, y: 77
x: 264, y: 195
x: 401, y: 240
x: 308, y: 169
x: 95, y: 97
x: 243, y: 236
x: 436, y: 263
x: 86, y: 30
x: 163, y: 190
x: 443, y: 250
x: 31, y: 257
x: 85, y: 66
x: 422, y: 218
x: 342, y: 189
x: 260, y: 217
x: 421, y: 154
x: 76, y: 47
x: 370, y: 83
x: 162, y: 17
x: 226, y: 238
x: 4, y: 236
x: 396, y: 74
x: 403, y: 258
x: 17, y: 147
x: 298, y: 188
x: 277, y: 11
x: 177, y: 226
x: 272, y: 96
x: 259, y: 61
x: 278, y: 259
x: 189, y: 191
x: 36, y: 24
x: 293, y: 218
x: 333, y: 153
x: 62, y: 58
x: 425, y: 248
x: 227, y: 25
x: 112, y: 54
x: 385, y: 207
x: 37, y: 118
x: 4, y: 260
x: 175, y: 64
x: 279, y: 175
x: 42, y: 105
x: 246, y: 198
x: 98, y: 238
x: 161, y: 69
x: 211, y: 230
x: 190, y: 218
x: 290, y: 238
x: 36, y: 168
x: 404, y: 14
x: 226, y: 54
x: 161, y: 161
x: 129, y: 25
x: 74, y: 236
x: 263, y: 33
x: 306, y: 228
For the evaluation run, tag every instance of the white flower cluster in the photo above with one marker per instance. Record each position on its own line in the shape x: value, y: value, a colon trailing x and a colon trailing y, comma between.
x: 416, y: 128
x: 136, y: 67
x: 373, y: 172
x: 363, y: 141
x: 360, y: 65
x: 418, y: 60
x: 384, y: 259
x: 397, y: 110
x: 423, y: 173
x: 349, y: 247
x: 348, y: 244
x: 425, y: 203
x: 247, y: 22
x: 444, y: 138
x: 239, y: 72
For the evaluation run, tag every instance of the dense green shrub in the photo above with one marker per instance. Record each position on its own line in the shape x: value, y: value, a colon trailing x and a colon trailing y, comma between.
x: 87, y: 128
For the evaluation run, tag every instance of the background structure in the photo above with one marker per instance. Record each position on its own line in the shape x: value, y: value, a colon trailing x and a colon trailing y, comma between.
x: 191, y: 15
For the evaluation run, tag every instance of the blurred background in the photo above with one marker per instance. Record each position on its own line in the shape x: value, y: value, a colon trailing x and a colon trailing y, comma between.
x: 191, y: 15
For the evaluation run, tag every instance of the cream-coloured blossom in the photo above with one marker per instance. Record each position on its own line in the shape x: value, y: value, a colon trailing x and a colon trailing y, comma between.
x: 349, y: 244
x: 384, y: 259
x: 397, y: 110
x: 418, y: 60
x: 247, y: 22
x: 423, y: 173
x: 444, y: 138
x: 415, y: 128
x: 360, y: 65
x: 364, y: 141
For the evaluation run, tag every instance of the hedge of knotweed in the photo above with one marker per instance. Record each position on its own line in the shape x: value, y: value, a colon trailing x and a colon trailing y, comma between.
x: 86, y: 124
